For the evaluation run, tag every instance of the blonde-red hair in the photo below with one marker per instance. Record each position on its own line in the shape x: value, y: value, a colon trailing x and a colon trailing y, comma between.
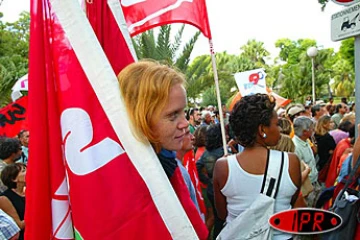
x: 145, y: 88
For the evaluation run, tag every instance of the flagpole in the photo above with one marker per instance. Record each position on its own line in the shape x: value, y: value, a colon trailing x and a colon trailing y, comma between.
x: 216, y: 79
x: 118, y: 14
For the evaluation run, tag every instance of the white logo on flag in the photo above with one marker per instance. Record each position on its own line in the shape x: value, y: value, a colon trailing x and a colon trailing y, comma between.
x: 155, y: 14
x: 77, y: 133
x: 127, y: 3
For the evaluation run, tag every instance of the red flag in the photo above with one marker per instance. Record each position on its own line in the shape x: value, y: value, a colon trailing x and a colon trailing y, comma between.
x: 190, y: 165
x: 13, y: 117
x: 79, y: 176
x: 142, y: 15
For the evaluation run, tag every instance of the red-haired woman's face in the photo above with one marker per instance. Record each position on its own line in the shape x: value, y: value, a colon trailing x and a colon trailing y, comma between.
x: 172, y: 123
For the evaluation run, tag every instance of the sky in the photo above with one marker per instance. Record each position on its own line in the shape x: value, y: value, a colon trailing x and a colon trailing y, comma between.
x: 234, y: 22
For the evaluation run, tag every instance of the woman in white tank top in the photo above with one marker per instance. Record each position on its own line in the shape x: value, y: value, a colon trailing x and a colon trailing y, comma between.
x: 238, y: 178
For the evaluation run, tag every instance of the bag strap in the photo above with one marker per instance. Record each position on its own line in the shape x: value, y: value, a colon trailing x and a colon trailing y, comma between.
x: 272, y: 174
x: 349, y: 180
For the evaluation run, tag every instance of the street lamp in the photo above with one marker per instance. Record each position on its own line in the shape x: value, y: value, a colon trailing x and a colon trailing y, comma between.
x: 312, y: 52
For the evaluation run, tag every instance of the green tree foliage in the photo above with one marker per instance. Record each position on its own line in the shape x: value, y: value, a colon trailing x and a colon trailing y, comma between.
x: 294, y: 78
x: 14, y: 49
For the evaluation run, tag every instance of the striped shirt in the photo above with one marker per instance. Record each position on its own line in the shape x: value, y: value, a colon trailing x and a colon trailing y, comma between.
x: 8, y: 228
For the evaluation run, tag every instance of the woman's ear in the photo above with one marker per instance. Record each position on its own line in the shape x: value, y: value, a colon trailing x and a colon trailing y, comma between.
x: 261, y: 130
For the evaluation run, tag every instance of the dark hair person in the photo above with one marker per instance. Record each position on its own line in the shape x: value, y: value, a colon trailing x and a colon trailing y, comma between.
x: 238, y: 178
x: 13, y: 177
x: 205, y: 167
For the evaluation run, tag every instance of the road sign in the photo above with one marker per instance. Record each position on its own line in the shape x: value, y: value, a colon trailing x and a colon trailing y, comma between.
x: 345, y: 2
x: 346, y: 23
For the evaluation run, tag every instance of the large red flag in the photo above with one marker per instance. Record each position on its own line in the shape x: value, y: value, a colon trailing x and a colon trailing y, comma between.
x: 142, y: 15
x: 80, y: 180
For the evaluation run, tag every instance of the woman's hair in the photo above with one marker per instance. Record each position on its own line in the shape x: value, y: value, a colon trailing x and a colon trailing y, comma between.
x: 285, y: 144
x: 285, y: 126
x: 248, y: 114
x: 9, y: 174
x: 319, y: 127
x: 349, y: 117
x: 200, y: 136
x: 213, y: 137
x: 145, y: 88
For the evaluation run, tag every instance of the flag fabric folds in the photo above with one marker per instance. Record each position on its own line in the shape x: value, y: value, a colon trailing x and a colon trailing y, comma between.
x: 142, y: 15
x: 80, y: 181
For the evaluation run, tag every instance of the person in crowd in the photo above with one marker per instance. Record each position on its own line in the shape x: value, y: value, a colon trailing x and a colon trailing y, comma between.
x: 344, y: 100
x: 193, y: 116
x: 307, y: 112
x: 325, y: 142
x: 13, y: 177
x: 205, y: 167
x: 342, y: 148
x: 350, y: 116
x: 286, y: 144
x: 286, y: 126
x: 155, y: 98
x: 330, y: 109
x: 211, y: 108
x: 8, y: 228
x: 352, y: 108
x: 226, y: 114
x: 304, y: 129
x: 206, y: 117
x: 199, y: 143
x: 342, y: 131
x: 238, y: 178
x: 10, y: 152
x: 317, y: 112
x: 340, y: 110
x: 184, y: 157
x: 292, y: 112
x: 24, y: 139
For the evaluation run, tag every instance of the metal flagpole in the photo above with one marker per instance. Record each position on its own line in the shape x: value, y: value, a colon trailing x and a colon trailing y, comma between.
x: 357, y: 80
x: 213, y: 61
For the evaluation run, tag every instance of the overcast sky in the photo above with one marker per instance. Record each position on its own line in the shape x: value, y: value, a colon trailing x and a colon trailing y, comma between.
x: 234, y: 22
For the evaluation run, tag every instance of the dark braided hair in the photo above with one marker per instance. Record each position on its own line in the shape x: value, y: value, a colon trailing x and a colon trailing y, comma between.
x: 248, y: 114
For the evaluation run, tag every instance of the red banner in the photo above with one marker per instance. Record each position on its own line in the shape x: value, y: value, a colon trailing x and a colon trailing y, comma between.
x: 86, y: 185
x: 13, y: 117
x: 142, y: 15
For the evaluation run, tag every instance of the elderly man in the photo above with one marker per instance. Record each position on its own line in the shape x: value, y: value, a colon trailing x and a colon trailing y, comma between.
x: 206, y: 118
x: 304, y: 129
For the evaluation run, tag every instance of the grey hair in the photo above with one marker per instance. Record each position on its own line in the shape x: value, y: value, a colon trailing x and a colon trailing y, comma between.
x: 302, y: 123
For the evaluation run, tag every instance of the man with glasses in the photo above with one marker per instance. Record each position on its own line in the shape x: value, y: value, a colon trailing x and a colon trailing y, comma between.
x: 193, y: 116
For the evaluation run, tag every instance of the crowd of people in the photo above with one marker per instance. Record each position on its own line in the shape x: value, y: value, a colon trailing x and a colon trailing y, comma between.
x: 318, y: 141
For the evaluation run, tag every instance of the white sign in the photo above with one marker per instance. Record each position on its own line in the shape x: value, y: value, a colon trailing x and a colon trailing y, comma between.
x: 251, y: 82
x: 346, y: 23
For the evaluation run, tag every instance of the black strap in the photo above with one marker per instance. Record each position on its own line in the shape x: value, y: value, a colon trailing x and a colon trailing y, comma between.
x: 280, y: 174
x: 266, y: 169
x: 272, y: 180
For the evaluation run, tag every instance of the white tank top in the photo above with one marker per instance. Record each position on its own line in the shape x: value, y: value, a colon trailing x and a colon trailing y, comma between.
x: 242, y: 188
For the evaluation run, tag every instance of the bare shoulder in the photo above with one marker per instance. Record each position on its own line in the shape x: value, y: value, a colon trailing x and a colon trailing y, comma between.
x: 295, y: 169
x: 221, y: 171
